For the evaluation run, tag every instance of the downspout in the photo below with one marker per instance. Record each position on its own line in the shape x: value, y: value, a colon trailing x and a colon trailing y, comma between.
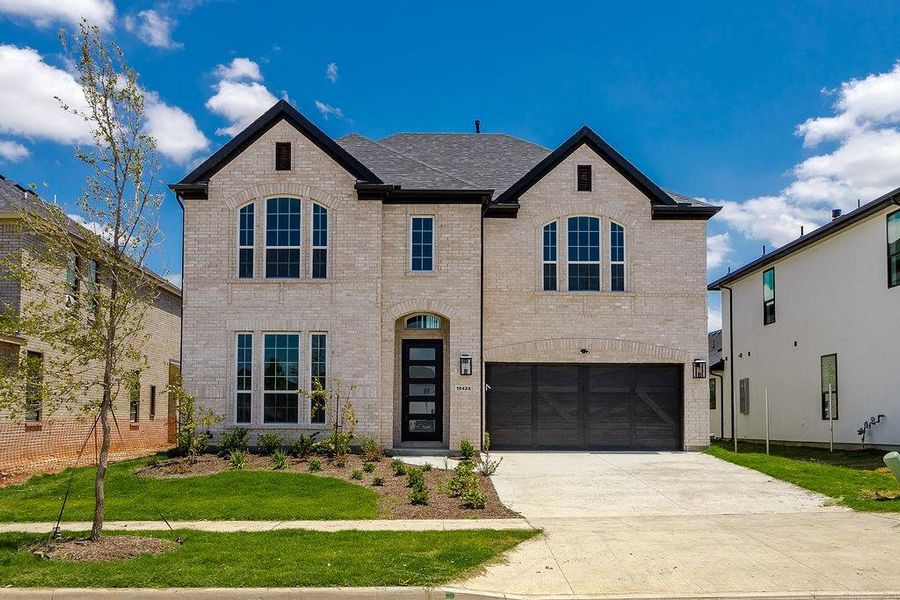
x: 731, y: 360
x: 482, y: 394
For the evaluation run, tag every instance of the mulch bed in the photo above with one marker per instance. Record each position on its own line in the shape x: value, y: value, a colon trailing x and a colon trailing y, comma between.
x: 393, y: 496
x: 113, y: 547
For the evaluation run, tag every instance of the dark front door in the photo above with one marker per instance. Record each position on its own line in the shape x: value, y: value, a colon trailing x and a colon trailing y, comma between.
x: 423, y: 390
x: 584, y: 407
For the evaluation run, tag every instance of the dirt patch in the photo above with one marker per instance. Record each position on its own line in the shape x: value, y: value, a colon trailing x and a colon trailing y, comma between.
x: 112, y: 547
x: 393, y: 496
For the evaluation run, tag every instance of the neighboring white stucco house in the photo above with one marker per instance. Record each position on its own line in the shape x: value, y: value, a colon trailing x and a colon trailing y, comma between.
x: 465, y: 282
x: 822, y: 310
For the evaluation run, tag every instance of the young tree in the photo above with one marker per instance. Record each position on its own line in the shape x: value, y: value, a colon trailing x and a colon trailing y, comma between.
x: 85, y: 289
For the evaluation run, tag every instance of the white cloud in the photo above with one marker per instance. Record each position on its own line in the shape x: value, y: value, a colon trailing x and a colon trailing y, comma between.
x: 104, y: 232
x: 713, y: 318
x: 44, y: 13
x: 239, y: 68
x: 27, y: 105
x: 28, y: 108
x: 331, y: 72
x: 717, y: 248
x: 861, y: 163
x: 329, y: 111
x: 238, y: 100
x: 174, y: 279
x: 13, y: 151
x: 177, y: 135
x: 153, y: 28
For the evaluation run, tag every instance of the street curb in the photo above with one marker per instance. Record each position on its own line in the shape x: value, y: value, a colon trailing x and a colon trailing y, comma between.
x: 399, y: 593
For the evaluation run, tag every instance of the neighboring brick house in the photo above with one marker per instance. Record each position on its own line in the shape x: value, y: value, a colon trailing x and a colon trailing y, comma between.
x: 146, y: 417
x: 820, y: 314
x: 426, y: 268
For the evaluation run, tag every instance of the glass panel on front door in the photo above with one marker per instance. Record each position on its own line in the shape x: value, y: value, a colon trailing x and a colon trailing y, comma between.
x: 422, y: 388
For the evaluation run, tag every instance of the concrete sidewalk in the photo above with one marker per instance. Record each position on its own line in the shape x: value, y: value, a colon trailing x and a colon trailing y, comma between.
x: 232, y: 526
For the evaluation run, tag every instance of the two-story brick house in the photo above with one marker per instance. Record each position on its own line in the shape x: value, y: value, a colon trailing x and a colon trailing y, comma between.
x: 464, y: 282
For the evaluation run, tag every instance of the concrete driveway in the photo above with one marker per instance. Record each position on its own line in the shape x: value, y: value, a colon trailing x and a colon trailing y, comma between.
x: 681, y: 524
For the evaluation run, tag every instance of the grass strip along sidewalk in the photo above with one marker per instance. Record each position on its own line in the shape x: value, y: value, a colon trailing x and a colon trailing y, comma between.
x: 291, y: 558
x: 263, y: 495
x: 855, y: 478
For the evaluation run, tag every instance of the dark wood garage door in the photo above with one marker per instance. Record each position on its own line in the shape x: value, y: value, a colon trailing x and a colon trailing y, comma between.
x: 584, y: 407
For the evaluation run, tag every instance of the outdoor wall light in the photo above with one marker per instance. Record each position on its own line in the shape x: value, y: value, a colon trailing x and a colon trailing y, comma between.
x: 465, y: 364
x: 699, y: 369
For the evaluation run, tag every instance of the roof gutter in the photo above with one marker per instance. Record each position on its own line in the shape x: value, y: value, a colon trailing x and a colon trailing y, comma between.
x: 190, y: 191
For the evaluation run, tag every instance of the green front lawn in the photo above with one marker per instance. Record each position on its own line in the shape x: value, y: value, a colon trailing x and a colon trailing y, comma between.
x: 252, y: 495
x: 853, y: 477
x: 288, y: 558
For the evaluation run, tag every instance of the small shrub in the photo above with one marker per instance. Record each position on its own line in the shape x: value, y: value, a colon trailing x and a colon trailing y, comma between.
x: 488, y: 466
x: 466, y: 449
x: 473, y: 497
x: 314, y: 464
x: 378, y: 481
x: 371, y: 450
x: 279, y: 459
x: 463, y: 477
x: 268, y: 443
x: 415, y: 477
x: 419, y: 495
x: 369, y: 467
x: 427, y: 467
x: 237, y: 459
x: 236, y: 439
x: 356, y: 474
x: 398, y: 467
x: 304, y: 445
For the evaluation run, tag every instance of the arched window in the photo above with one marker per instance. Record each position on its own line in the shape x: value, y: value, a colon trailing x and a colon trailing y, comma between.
x: 283, y: 238
x: 616, y: 257
x: 246, y: 222
x: 584, y: 254
x: 423, y: 322
x: 549, y: 257
x: 319, y: 242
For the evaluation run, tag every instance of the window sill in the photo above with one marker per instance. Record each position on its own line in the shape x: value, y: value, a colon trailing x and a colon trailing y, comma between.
x: 34, y: 425
x: 283, y: 280
x: 604, y: 293
x: 134, y: 426
x: 431, y: 273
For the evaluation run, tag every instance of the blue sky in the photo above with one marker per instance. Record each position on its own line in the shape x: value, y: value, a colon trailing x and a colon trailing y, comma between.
x: 777, y: 110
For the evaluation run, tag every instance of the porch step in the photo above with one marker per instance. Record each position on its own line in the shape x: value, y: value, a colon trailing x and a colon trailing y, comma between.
x: 420, y: 449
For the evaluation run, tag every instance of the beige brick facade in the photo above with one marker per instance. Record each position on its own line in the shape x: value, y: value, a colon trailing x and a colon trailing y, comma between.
x: 369, y: 290
x: 56, y: 439
x: 661, y: 316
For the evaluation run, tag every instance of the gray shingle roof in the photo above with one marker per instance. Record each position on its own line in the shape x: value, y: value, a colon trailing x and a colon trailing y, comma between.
x: 478, y: 161
x: 715, y: 349
x: 461, y: 161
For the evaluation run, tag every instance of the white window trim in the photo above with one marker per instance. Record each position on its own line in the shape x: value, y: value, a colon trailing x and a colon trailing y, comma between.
x: 307, y: 402
x: 618, y: 262
x: 433, y: 245
x: 598, y: 262
x: 312, y: 239
x: 266, y: 246
x: 549, y: 262
x: 262, y: 405
x: 237, y: 270
x: 237, y: 348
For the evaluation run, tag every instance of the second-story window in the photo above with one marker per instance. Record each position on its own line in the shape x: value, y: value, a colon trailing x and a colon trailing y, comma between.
x: 246, y: 223
x: 283, y: 238
x: 893, y: 234
x: 584, y: 254
x: 422, y: 244
x: 549, y: 257
x: 616, y: 257
x: 768, y: 296
x: 72, y: 280
x: 319, y: 242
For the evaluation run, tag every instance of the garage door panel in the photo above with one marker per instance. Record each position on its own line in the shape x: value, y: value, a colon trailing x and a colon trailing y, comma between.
x: 609, y: 407
x: 509, y: 410
x: 556, y: 406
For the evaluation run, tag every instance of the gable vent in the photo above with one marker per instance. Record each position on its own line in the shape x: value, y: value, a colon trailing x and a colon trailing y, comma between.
x: 584, y: 178
x: 282, y: 156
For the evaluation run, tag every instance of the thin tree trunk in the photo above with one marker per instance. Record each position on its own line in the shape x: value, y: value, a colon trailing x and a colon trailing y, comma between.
x: 99, y: 492
x: 105, y: 406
